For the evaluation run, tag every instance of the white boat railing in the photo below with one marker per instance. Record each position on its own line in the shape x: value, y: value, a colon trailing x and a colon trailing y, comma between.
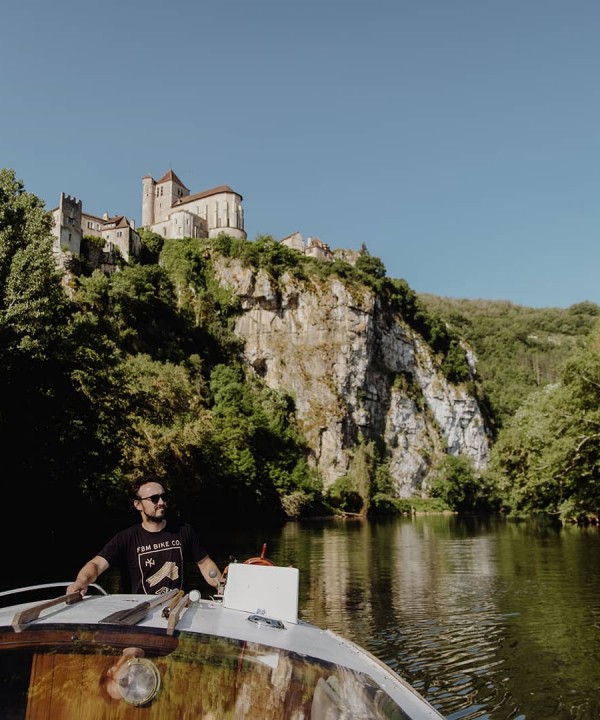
x: 45, y: 586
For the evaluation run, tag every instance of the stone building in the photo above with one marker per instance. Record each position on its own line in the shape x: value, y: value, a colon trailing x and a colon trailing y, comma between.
x: 313, y: 246
x: 117, y: 234
x: 67, y: 228
x: 169, y: 210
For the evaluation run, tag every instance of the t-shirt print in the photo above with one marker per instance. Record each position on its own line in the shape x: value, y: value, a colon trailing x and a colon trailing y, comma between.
x: 158, y: 565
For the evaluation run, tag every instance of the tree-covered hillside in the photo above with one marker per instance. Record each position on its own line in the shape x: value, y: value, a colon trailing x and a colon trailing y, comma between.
x: 540, y: 369
x: 518, y: 349
x: 125, y: 376
x: 110, y: 377
x: 139, y: 373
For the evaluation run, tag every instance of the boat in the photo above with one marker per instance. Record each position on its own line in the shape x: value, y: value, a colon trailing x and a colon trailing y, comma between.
x: 241, y: 653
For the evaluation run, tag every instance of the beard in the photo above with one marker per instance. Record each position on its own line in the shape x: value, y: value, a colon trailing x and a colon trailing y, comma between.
x: 157, y: 517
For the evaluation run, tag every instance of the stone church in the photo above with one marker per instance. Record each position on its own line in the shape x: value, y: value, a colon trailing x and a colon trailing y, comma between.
x: 170, y: 210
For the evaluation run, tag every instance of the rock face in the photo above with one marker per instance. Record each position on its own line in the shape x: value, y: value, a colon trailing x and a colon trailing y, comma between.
x: 354, y: 369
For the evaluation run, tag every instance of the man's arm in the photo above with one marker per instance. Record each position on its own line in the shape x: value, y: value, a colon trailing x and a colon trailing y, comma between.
x: 210, y: 571
x: 88, y: 574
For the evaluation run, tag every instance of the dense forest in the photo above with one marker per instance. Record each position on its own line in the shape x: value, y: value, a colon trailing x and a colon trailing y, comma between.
x: 519, y: 349
x: 540, y: 374
x: 108, y: 378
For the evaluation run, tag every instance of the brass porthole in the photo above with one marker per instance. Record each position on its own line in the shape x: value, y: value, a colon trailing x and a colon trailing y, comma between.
x: 138, y: 681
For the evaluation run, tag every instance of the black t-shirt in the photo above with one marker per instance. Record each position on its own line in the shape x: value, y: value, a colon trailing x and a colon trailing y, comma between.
x: 153, y: 561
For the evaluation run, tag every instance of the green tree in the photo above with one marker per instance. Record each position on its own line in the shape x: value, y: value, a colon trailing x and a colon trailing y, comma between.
x: 152, y: 244
x: 369, y: 265
x: 455, y: 483
x: 55, y: 371
x: 547, y: 459
x: 353, y: 492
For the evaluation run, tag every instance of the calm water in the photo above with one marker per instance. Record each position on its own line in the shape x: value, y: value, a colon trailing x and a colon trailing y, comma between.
x: 487, y: 619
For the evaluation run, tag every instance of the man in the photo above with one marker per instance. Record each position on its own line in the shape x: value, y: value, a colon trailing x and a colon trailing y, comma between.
x: 153, y: 552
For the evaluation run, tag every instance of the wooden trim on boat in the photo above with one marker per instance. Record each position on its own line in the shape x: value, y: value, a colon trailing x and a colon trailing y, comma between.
x: 26, y: 616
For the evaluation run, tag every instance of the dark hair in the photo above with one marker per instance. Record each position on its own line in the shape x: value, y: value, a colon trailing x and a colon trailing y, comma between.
x: 135, y: 487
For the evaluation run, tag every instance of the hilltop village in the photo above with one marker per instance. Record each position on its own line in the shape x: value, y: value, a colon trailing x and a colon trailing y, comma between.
x: 168, y: 209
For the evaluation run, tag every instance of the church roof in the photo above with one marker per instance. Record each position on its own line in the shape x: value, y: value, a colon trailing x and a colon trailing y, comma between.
x: 170, y: 176
x: 207, y: 193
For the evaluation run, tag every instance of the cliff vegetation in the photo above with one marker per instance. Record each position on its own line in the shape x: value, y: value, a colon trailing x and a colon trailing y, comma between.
x: 145, y: 372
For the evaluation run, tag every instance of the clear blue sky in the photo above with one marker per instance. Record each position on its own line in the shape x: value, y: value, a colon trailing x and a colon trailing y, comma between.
x: 459, y: 140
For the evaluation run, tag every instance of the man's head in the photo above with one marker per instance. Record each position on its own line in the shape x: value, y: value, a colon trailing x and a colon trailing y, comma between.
x: 150, y: 498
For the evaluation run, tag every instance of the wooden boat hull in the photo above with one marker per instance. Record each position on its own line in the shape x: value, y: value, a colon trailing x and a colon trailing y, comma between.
x: 206, y: 661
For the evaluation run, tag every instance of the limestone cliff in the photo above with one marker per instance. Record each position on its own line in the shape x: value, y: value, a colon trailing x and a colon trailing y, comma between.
x: 353, y: 367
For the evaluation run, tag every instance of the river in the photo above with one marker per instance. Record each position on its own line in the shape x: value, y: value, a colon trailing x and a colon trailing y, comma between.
x: 487, y: 618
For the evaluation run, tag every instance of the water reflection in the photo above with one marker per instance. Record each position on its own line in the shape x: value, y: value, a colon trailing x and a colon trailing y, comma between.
x: 487, y: 619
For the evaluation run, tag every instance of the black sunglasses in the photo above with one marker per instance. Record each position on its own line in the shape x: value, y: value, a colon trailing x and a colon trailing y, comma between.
x: 155, y: 498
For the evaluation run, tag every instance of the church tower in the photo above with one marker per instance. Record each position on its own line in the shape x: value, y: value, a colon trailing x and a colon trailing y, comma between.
x: 148, y: 193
